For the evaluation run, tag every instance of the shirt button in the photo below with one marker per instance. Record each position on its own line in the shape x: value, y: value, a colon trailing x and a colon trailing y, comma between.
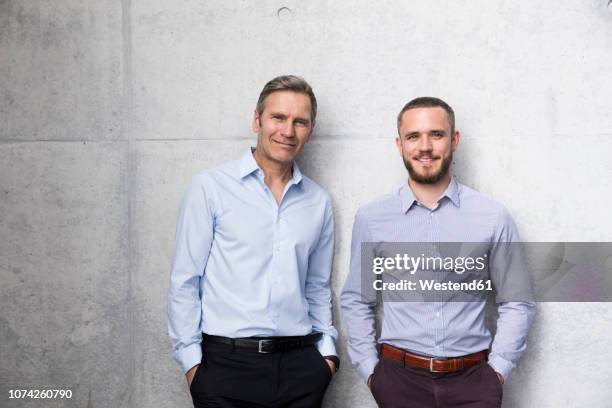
x: 437, y: 314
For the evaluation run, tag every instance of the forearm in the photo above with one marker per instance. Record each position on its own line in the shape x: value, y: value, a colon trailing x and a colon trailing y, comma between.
x: 515, y: 319
x: 322, y: 323
x: 184, y: 322
x: 318, y: 286
x: 318, y: 296
x: 358, y: 300
x: 192, y: 246
x: 360, y: 321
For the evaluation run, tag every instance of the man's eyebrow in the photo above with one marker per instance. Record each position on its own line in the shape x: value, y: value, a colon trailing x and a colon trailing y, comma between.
x: 415, y: 133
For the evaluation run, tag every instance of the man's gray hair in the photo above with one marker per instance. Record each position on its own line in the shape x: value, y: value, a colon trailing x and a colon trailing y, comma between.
x: 288, y: 83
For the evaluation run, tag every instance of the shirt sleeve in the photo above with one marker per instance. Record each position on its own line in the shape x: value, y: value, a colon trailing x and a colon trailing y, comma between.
x: 358, y: 300
x: 317, y: 287
x: 515, y: 301
x: 194, y: 234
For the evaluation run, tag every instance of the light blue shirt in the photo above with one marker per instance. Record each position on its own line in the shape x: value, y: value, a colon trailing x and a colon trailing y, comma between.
x: 439, y: 329
x: 246, y: 266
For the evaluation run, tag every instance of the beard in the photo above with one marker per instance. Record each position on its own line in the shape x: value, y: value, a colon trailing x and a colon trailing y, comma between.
x: 429, y: 177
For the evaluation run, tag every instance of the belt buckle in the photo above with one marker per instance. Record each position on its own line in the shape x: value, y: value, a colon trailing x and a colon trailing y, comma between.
x: 431, y: 369
x: 261, y: 345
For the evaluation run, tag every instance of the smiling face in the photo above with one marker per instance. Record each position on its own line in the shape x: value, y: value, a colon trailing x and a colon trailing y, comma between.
x: 284, y: 126
x: 426, y: 144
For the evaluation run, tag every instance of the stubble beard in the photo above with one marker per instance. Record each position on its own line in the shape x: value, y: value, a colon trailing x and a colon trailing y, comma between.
x: 430, y: 178
x: 268, y: 152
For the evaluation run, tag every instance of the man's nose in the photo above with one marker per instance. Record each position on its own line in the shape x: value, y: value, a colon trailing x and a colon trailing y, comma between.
x: 288, y: 129
x: 425, y: 144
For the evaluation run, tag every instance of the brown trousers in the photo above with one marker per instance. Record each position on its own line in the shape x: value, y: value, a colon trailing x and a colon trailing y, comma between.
x: 395, y: 386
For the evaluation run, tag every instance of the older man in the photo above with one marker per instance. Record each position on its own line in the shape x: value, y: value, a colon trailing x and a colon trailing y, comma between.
x: 250, y: 303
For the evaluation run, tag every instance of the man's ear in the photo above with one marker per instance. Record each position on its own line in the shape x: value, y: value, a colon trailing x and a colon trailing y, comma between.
x: 398, y: 143
x: 256, y: 125
x: 455, y: 138
x: 310, y: 134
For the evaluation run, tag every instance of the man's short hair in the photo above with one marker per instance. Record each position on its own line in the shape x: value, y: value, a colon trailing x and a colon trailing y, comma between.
x: 428, y: 102
x: 288, y: 83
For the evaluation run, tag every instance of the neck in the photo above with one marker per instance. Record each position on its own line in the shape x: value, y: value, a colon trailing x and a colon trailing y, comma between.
x: 428, y: 194
x: 274, y: 171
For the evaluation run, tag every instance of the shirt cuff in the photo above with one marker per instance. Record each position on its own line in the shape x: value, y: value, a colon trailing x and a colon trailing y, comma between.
x: 189, y: 356
x: 326, y: 346
x: 366, y: 368
x: 501, y: 365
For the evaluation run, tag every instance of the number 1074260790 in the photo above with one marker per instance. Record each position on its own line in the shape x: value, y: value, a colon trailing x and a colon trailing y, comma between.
x: 39, y: 394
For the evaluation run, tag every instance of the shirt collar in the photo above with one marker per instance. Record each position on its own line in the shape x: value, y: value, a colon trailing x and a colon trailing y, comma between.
x: 408, y: 198
x: 248, y: 165
x: 452, y: 192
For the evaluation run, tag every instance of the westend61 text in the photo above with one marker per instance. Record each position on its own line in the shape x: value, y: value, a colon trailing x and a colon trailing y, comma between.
x: 432, y: 285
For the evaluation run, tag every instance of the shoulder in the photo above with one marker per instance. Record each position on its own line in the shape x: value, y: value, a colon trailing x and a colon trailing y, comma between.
x: 207, y: 184
x: 208, y: 178
x: 484, y: 204
x: 379, y: 206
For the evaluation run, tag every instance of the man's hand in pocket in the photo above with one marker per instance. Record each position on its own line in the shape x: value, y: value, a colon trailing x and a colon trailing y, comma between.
x: 191, y: 373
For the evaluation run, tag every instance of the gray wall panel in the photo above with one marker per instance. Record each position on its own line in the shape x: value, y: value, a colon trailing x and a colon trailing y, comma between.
x: 65, y: 287
x: 61, y: 70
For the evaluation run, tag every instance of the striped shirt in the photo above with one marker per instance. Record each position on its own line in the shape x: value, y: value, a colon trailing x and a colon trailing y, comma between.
x: 437, y: 329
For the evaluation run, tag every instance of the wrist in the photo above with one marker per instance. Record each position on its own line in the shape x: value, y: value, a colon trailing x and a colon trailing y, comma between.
x: 335, y: 360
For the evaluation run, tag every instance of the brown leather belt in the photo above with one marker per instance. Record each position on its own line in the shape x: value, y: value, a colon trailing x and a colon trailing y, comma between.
x: 434, y: 365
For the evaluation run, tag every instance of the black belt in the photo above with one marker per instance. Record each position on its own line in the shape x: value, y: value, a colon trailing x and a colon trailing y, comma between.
x: 264, y: 345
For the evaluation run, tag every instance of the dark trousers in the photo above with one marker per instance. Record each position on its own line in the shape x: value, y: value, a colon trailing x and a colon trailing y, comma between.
x: 395, y: 386
x: 295, y: 378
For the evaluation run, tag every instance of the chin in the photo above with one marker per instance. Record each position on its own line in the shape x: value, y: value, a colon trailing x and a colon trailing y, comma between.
x: 284, y: 157
x: 428, y: 173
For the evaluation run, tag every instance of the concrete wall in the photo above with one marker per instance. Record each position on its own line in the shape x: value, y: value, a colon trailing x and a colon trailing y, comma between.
x: 108, y: 107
